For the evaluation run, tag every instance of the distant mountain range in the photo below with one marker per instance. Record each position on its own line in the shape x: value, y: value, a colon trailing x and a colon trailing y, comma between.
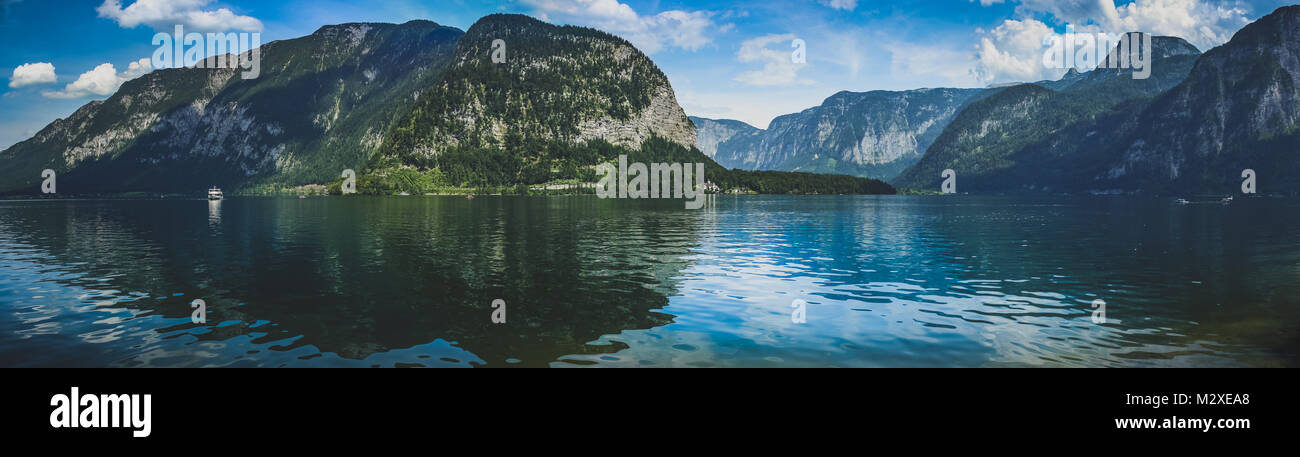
x: 876, y: 134
x: 1192, y: 127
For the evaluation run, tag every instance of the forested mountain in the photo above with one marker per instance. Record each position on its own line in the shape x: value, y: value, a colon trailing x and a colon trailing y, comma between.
x: 556, y: 101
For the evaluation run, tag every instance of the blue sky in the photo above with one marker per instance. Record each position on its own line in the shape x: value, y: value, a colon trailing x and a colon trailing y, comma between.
x: 726, y: 59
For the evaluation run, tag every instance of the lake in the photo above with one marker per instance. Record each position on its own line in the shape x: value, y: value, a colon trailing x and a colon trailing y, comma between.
x: 888, y: 281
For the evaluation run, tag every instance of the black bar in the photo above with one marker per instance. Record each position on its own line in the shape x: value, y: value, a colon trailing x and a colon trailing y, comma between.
x: 228, y: 407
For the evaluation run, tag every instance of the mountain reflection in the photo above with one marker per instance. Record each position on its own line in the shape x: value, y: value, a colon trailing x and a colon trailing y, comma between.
x: 357, y: 279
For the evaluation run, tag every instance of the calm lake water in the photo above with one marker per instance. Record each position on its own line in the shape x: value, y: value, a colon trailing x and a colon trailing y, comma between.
x: 888, y: 281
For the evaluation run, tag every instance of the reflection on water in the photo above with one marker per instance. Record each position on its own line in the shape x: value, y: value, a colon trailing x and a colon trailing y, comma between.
x: 889, y: 281
x: 214, y: 213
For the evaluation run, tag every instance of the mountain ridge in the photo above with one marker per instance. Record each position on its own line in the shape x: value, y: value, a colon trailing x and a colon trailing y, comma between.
x: 874, y: 133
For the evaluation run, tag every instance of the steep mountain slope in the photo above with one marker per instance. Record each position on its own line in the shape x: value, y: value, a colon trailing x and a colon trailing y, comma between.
x: 710, y: 133
x: 876, y: 134
x: 1239, y: 108
x: 321, y: 104
x: 1000, y: 142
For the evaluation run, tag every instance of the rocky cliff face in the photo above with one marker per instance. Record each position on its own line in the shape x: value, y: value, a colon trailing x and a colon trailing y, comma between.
x: 1239, y: 108
x: 711, y: 133
x: 875, y: 134
x: 663, y: 118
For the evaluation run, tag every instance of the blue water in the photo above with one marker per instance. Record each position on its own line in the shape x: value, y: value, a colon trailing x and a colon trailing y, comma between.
x: 888, y: 281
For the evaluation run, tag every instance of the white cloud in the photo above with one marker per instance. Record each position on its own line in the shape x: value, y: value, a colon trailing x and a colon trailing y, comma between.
x: 103, y: 80
x: 778, y: 67
x: 847, y: 5
x: 674, y: 28
x: 1201, y: 23
x: 163, y: 15
x: 1013, y: 51
x: 33, y: 73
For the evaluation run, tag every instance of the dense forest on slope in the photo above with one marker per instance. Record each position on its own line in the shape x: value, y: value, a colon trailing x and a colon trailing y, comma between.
x: 552, y: 79
x: 494, y: 169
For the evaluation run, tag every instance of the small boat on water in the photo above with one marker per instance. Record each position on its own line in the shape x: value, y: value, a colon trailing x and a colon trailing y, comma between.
x: 469, y: 197
x: 215, y: 194
x: 1182, y: 201
x: 1227, y: 200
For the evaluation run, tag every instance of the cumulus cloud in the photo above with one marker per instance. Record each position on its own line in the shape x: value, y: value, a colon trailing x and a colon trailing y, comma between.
x: 103, y: 80
x: 32, y: 73
x: 163, y: 15
x: 674, y: 28
x: 778, y: 67
x: 1201, y: 23
x: 1013, y: 51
